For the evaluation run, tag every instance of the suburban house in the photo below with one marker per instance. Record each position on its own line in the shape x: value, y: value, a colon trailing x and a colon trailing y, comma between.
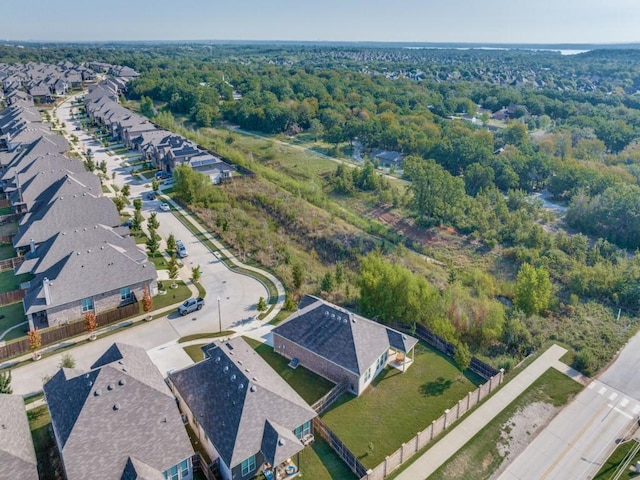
x: 93, y: 278
x: 244, y: 414
x: 339, y: 345
x: 118, y: 420
x: 387, y: 158
x: 17, y: 455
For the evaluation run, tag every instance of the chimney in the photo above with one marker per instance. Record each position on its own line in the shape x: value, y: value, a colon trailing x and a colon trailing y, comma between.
x: 47, y: 293
x: 32, y: 245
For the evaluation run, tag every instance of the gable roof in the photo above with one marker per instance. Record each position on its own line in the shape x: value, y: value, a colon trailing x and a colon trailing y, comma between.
x: 17, y: 456
x: 242, y: 404
x: 348, y: 340
x: 113, y: 419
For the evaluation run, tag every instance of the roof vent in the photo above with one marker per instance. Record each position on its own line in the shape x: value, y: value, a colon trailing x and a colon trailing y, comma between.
x: 111, y: 386
x: 233, y: 377
x: 241, y: 386
x: 333, y: 316
x: 345, y: 321
x: 116, y: 406
x: 226, y: 368
x: 404, y: 337
x: 338, y: 317
x: 353, y: 320
x: 253, y: 388
x: 217, y: 359
x: 255, y: 379
x: 122, y: 382
x: 281, y: 442
x: 97, y: 393
x: 326, y: 313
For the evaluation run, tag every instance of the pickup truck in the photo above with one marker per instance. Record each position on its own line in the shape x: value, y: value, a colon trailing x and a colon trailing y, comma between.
x: 190, y: 305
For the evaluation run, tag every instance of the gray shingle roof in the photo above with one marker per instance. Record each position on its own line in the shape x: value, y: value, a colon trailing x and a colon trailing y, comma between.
x: 45, y: 186
x: 233, y: 393
x: 17, y: 456
x: 63, y: 214
x: 114, y: 416
x: 348, y: 340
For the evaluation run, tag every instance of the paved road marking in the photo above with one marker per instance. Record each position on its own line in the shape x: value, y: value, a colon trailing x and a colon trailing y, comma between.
x: 613, y: 396
x: 624, y: 402
x: 591, y: 385
x: 616, y: 409
x: 602, y: 390
x: 636, y: 409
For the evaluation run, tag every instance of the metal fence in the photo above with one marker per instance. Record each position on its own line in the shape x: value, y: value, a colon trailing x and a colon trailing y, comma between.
x: 333, y: 394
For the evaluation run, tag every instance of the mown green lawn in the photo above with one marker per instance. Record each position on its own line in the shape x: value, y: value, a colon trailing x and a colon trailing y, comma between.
x: 10, y: 316
x: 10, y: 282
x: 398, y: 405
x: 310, y: 387
x: 7, y: 251
x: 173, y: 295
x: 319, y: 462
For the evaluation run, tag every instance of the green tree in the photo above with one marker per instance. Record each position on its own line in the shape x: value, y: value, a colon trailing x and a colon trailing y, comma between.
x: 152, y: 242
x: 146, y: 107
x: 195, y: 274
x: 339, y: 276
x: 533, y: 289
x: 462, y: 356
x: 171, y: 243
x: 5, y: 382
x: 137, y: 204
x: 153, y: 221
x: 173, y: 267
x: 262, y: 304
x: 67, y: 361
x: 155, y: 185
x: 298, y: 276
x: 327, y: 284
x: 136, y: 222
x: 120, y: 202
x: 126, y: 190
x: 289, y: 304
x: 103, y: 166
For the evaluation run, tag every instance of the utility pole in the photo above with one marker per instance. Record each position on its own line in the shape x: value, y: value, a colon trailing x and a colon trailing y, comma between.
x: 219, y: 315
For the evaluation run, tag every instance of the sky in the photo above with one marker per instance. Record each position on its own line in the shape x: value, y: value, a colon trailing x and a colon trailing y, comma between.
x: 466, y: 21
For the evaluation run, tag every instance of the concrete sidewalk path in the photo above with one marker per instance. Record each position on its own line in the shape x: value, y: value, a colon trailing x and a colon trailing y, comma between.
x: 446, y: 447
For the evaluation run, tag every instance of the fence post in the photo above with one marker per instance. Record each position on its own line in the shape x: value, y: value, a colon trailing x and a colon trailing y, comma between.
x: 458, y: 411
x: 468, y: 400
x: 501, y: 376
x: 433, y: 424
x: 490, y: 384
x: 385, y: 467
x: 479, y: 390
x: 402, y: 454
x: 445, y: 419
x: 418, y: 442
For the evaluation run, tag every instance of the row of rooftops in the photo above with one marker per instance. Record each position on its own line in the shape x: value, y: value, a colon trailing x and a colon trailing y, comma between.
x: 69, y: 232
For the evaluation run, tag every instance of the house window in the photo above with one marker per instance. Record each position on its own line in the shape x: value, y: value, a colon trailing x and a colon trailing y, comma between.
x: 184, y: 469
x: 172, y: 473
x: 302, y: 430
x: 249, y: 465
x: 367, y: 374
x: 125, y: 294
x: 87, y: 305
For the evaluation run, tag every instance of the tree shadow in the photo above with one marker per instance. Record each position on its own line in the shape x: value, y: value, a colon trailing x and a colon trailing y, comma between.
x: 436, y: 387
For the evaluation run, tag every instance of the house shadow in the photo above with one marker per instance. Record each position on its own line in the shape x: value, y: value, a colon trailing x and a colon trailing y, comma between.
x: 436, y: 387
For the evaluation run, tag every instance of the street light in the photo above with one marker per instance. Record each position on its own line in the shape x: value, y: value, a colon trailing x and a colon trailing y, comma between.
x: 219, y: 315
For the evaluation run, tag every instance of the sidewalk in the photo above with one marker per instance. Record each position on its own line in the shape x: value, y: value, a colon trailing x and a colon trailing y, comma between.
x: 446, y: 447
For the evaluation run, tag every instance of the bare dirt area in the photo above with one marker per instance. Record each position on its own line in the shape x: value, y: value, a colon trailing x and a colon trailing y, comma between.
x: 520, y: 429
x: 400, y: 225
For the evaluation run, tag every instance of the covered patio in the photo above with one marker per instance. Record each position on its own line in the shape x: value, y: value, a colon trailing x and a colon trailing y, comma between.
x: 401, y: 350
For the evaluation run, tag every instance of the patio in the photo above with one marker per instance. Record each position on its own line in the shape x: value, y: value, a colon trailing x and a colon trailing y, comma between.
x: 285, y: 470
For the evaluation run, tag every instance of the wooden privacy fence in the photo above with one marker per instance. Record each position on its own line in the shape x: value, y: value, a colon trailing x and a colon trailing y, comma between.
x: 10, y: 263
x: 320, y: 428
x: 423, y: 333
x: 12, y: 217
x: 8, y: 298
x: 333, y: 394
x: 57, y: 334
x: 408, y: 449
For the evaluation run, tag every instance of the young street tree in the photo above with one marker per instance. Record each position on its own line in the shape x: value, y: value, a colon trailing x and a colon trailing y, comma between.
x: 173, y: 267
x: 67, y: 361
x: 147, y: 300
x: 137, y: 204
x: 90, y: 323
x: 153, y: 221
x: 195, y: 274
x: 5, y: 382
x: 152, y: 242
x: 35, y: 340
x: 262, y: 304
x: 171, y: 243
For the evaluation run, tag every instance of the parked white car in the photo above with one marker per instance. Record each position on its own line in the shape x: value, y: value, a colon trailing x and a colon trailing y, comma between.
x: 165, y: 207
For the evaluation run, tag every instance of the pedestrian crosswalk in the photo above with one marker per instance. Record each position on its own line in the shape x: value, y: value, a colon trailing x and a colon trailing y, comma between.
x: 629, y: 407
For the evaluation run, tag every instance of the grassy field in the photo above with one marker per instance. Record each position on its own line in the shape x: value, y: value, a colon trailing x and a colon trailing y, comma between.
x: 619, y: 459
x: 49, y: 466
x: 195, y: 352
x: 309, y: 386
x: 479, y: 458
x: 398, y: 405
x: 10, y: 316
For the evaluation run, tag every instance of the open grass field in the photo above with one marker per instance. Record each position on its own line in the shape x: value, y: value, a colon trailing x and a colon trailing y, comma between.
x: 398, y: 405
x: 310, y: 387
x: 481, y: 456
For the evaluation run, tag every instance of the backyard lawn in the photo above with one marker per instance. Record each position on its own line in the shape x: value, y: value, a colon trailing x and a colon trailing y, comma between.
x: 11, y: 315
x: 398, y: 405
x: 9, y: 282
x: 481, y: 456
x: 49, y: 466
x: 319, y: 462
x: 310, y: 387
x: 7, y: 251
